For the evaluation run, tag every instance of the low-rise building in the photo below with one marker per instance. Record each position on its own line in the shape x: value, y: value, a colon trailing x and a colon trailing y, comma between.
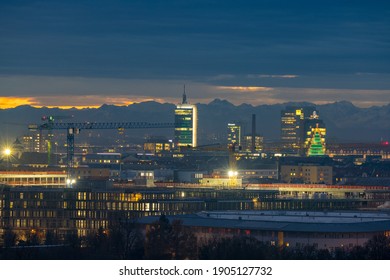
x: 323, y: 230
x: 52, y: 179
x: 307, y: 174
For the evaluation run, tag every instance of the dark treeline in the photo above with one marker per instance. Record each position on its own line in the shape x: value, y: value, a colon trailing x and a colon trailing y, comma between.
x: 165, y: 240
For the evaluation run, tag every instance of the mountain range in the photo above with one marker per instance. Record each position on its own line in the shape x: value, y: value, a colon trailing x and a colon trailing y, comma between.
x: 344, y: 121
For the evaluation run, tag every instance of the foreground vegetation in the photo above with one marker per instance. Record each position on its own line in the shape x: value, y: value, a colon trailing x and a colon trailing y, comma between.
x: 165, y: 240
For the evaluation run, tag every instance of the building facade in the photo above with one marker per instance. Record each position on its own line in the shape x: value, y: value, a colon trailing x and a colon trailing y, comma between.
x: 258, y: 147
x: 85, y: 210
x: 292, y: 127
x: 307, y: 174
x: 51, y: 179
x: 186, y: 124
x: 234, y: 135
x: 295, y: 229
x: 157, y: 145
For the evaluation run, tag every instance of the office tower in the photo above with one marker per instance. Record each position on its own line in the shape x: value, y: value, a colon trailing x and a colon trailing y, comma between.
x: 186, y: 124
x: 248, y: 143
x: 234, y: 135
x: 253, y: 146
x: 292, y: 127
x: 35, y: 141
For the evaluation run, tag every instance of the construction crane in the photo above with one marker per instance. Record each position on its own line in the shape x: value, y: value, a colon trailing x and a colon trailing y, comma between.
x: 50, y: 120
x: 74, y: 128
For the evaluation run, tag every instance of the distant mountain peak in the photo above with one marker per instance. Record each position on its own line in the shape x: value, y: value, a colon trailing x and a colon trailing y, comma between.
x: 344, y: 103
x: 220, y: 102
x: 301, y: 104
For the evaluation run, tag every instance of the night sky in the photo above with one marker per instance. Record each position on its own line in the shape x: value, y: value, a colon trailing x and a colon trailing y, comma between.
x: 86, y: 53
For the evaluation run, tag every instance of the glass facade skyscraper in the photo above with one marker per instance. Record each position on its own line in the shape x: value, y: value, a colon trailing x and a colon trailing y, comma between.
x: 186, y: 124
x: 292, y: 127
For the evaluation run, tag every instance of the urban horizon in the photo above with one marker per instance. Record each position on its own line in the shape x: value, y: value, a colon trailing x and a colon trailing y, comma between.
x: 10, y: 104
x: 195, y: 130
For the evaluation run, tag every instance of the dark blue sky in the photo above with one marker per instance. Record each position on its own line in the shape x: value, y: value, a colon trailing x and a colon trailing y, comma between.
x: 244, y: 51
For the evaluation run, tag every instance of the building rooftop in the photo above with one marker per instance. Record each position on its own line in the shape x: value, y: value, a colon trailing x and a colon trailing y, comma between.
x: 290, y: 221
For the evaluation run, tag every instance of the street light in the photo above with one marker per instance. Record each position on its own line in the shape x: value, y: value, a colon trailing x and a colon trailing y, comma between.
x: 232, y: 173
x: 7, y: 152
x: 70, y: 182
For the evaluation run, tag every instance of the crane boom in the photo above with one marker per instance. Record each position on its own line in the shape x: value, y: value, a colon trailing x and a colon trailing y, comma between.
x: 104, y: 125
x: 75, y: 127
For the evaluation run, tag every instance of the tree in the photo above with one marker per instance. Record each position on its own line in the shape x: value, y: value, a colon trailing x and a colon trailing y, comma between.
x: 166, y: 241
x: 9, y: 238
x: 126, y: 240
x: 378, y: 248
x: 238, y: 248
x: 51, y: 238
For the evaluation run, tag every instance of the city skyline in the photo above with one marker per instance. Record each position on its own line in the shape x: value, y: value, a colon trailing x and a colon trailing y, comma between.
x: 93, y: 53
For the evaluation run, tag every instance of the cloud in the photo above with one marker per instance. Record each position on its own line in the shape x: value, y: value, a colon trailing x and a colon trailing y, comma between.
x: 93, y: 92
x: 194, y: 40
x: 244, y: 88
x: 289, y: 76
x: 222, y: 77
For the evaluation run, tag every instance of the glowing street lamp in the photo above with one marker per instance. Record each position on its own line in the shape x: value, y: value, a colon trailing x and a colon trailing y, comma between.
x: 7, y: 152
x: 70, y: 182
x: 232, y: 173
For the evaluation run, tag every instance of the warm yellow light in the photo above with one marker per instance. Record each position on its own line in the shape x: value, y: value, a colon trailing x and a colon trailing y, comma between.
x: 232, y: 173
x: 7, y: 152
x: 12, y: 102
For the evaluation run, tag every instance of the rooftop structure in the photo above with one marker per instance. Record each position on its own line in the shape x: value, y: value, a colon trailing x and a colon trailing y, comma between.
x: 324, y: 230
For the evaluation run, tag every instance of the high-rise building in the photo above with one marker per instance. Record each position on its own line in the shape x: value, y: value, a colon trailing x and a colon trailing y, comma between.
x: 248, y: 143
x: 186, y: 124
x: 292, y: 127
x: 234, y: 135
x: 35, y: 141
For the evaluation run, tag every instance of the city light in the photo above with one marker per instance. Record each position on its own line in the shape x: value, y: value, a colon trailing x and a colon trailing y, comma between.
x: 232, y: 173
x: 7, y: 152
x: 70, y: 182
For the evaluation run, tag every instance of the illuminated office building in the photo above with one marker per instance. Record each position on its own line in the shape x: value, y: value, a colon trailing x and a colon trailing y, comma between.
x: 234, y: 135
x: 247, y: 147
x: 295, y: 122
x: 157, y: 145
x: 186, y: 124
x: 35, y: 141
x: 84, y: 211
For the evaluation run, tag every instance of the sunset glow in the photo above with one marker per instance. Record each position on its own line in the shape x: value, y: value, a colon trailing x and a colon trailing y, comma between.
x: 77, y: 102
x: 12, y: 102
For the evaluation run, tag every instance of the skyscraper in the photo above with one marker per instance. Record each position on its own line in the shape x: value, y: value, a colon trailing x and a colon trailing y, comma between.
x: 234, y: 135
x: 249, y: 147
x: 292, y: 127
x: 186, y: 123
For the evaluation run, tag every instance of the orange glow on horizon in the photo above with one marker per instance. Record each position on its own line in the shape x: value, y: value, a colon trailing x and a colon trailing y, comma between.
x: 12, y: 102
